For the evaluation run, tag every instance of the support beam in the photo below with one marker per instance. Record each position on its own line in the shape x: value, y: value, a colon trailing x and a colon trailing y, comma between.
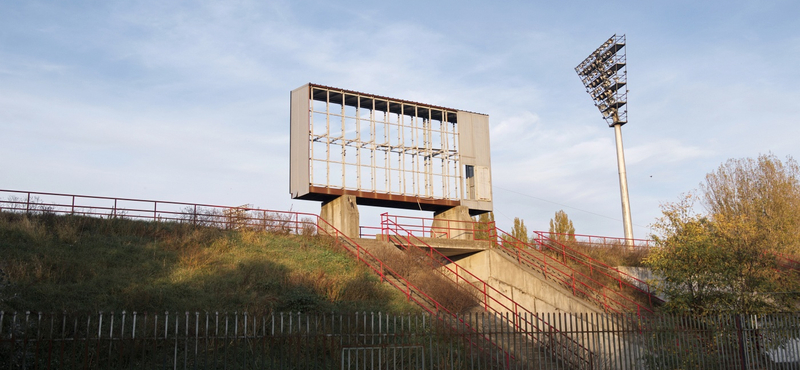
x: 454, y: 223
x: 341, y: 213
x: 623, y: 187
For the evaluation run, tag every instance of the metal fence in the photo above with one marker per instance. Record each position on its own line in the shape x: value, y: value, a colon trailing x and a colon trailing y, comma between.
x: 225, y: 217
x: 211, y: 340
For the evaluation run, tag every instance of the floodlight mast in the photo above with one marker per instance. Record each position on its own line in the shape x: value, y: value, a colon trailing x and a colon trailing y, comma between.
x: 605, y: 75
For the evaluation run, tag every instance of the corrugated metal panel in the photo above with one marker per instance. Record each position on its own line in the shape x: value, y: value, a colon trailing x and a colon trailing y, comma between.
x: 475, y: 150
x: 299, y: 148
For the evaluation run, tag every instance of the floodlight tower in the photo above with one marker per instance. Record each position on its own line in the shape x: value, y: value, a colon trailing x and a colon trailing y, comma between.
x: 605, y: 75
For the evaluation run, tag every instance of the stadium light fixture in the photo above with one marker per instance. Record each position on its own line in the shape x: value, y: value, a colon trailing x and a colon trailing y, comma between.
x: 604, y: 73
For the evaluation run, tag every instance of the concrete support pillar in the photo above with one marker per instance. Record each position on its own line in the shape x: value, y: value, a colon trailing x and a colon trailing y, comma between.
x: 454, y: 223
x: 341, y: 213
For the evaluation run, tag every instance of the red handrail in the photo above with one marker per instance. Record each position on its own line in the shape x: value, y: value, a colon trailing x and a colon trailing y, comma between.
x: 789, y: 262
x: 601, y: 291
x: 584, y: 355
x: 598, y: 240
x: 339, y: 237
x: 591, y: 263
x: 557, y: 271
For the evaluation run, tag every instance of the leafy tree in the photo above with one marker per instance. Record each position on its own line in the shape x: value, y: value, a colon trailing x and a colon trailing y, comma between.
x: 758, y: 201
x: 561, y: 227
x: 726, y: 260
x: 519, y: 231
x: 484, y: 226
x: 519, y: 234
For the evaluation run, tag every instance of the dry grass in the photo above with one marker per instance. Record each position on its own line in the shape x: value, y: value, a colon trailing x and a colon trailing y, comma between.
x: 54, y: 263
x: 611, y: 254
x: 418, y: 269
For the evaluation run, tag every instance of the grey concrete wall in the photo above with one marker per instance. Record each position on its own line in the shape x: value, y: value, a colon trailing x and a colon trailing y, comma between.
x: 454, y: 223
x: 536, y: 294
x: 341, y: 213
x: 527, y: 289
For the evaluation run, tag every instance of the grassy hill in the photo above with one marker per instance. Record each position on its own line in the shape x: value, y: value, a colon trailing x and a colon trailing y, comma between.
x: 74, y: 263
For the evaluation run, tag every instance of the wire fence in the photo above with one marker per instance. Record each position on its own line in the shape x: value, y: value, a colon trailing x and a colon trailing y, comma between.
x: 213, y: 340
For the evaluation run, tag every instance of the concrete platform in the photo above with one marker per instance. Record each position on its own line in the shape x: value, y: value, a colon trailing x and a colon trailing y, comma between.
x: 453, y: 248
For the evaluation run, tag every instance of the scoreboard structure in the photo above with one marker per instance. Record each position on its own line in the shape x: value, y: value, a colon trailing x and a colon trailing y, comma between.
x: 388, y: 152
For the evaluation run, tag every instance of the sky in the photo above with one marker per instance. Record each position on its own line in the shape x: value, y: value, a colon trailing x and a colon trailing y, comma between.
x: 189, y: 101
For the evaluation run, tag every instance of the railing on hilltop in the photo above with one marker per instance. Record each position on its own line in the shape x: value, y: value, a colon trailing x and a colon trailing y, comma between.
x: 243, y: 217
x: 570, y: 350
x: 602, y: 241
x: 567, y: 276
x: 224, y: 217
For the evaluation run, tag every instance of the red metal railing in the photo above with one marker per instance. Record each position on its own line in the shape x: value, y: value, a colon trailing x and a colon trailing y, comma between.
x: 602, y: 241
x: 382, y: 270
x: 549, y: 266
x: 581, y: 284
x: 446, y: 229
x: 572, y: 351
x: 228, y: 218
x: 451, y: 229
x: 543, y: 240
x: 787, y: 262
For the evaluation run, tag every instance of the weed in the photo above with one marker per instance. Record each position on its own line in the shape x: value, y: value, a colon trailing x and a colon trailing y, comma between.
x: 415, y: 266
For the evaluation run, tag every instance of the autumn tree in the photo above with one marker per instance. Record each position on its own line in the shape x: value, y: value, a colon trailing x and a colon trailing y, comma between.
x: 484, y: 226
x: 561, y: 227
x: 727, y: 258
x: 519, y: 231
x: 757, y: 201
x: 519, y: 234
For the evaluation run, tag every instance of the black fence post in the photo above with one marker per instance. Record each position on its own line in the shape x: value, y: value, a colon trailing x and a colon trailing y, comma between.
x: 740, y: 337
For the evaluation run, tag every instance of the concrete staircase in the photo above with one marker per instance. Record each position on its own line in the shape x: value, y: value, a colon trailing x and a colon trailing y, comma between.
x: 499, y: 304
x: 518, y: 349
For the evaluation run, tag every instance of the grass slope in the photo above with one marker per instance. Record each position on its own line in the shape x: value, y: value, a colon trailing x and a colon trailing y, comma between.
x: 54, y: 263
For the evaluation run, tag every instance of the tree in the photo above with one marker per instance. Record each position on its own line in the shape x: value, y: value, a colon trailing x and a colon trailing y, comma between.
x: 519, y: 231
x: 726, y: 259
x: 758, y: 201
x: 561, y: 228
x: 519, y: 235
x: 484, y: 226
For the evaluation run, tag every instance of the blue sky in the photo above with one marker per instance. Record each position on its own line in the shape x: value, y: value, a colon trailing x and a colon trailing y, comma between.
x: 189, y: 101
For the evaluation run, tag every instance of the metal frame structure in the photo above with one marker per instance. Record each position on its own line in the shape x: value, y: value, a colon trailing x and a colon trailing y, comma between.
x: 212, y: 340
x: 388, y: 152
x: 605, y: 75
